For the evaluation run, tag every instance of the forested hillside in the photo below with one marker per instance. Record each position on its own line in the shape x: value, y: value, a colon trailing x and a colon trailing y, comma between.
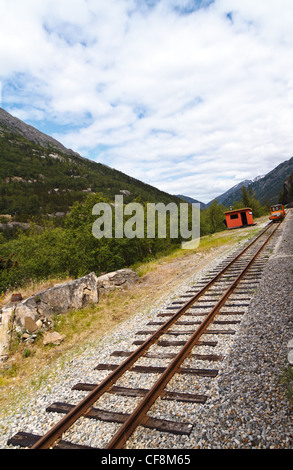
x: 37, y: 181
x: 55, y: 192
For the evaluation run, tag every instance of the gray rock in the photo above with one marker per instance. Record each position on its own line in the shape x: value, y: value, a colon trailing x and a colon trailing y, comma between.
x: 53, y: 338
x: 30, y: 325
x: 290, y: 357
x: 36, y: 311
x: 58, y: 299
x: 117, y: 280
x: 6, y: 320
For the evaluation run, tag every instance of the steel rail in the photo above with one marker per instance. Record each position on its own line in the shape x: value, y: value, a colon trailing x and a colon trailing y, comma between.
x: 126, y: 430
x: 81, y: 409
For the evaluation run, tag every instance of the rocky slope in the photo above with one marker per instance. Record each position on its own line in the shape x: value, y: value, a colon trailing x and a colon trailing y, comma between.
x: 15, y: 125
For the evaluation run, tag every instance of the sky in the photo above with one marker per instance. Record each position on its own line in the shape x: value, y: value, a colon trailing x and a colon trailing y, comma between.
x: 190, y: 96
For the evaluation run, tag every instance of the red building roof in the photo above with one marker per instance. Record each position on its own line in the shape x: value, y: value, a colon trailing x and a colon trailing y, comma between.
x: 238, y: 210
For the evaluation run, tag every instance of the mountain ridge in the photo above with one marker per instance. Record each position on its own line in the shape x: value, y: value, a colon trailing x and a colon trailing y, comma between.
x: 17, y: 126
x: 82, y: 172
x: 267, y: 188
x: 39, y: 176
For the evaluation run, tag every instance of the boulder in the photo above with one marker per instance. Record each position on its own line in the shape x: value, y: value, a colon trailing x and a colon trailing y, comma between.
x: 36, y: 311
x: 71, y: 295
x: 116, y: 280
x: 30, y: 325
x: 53, y: 338
x: 290, y: 352
x: 16, y: 298
x: 6, y: 320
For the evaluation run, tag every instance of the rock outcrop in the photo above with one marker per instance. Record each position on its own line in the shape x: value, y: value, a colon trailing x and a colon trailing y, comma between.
x: 59, y: 299
x: 35, y: 312
x: 116, y: 280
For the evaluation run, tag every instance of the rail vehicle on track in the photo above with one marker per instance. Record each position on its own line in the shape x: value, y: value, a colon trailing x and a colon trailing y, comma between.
x: 277, y: 212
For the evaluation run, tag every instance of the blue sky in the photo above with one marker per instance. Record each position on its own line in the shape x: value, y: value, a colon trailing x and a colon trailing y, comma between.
x: 189, y: 96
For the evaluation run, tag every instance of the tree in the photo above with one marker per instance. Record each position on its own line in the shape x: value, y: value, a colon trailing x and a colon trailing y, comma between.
x: 216, y: 217
x: 245, y: 197
x: 249, y: 200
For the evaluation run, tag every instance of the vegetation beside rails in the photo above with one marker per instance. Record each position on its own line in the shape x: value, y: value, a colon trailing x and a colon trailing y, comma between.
x: 70, y: 250
x: 287, y: 382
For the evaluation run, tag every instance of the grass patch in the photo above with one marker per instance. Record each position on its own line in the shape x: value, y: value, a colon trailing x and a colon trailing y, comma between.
x: 287, y: 382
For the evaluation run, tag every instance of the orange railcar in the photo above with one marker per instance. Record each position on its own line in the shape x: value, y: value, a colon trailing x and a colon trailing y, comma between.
x: 277, y: 212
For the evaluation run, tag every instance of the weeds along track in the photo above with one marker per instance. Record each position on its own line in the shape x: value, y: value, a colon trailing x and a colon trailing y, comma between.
x: 185, y: 333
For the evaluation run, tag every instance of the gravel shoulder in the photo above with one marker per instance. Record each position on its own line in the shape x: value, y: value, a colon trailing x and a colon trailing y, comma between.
x: 247, y: 407
x: 251, y: 409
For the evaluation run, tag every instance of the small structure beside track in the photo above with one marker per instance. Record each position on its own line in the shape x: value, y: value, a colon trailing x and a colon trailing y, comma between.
x: 239, y: 218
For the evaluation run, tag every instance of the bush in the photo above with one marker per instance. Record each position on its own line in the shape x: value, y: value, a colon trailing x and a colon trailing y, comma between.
x: 71, y: 250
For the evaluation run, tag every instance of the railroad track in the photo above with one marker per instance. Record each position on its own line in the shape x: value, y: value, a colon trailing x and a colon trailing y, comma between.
x: 207, y: 310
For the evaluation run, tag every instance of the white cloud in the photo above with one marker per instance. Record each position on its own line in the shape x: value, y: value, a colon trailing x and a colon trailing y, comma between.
x: 189, y: 99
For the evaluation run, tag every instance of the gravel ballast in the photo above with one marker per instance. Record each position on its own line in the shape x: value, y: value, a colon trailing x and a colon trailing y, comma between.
x: 247, y: 405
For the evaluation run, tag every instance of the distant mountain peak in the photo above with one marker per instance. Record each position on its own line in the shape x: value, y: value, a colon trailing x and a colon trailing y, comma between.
x: 266, y: 187
x: 257, y: 178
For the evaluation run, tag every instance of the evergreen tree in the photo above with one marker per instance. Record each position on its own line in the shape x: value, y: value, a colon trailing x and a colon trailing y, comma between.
x: 216, y: 217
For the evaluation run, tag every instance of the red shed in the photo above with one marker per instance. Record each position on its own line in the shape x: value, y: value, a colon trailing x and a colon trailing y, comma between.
x: 239, y: 218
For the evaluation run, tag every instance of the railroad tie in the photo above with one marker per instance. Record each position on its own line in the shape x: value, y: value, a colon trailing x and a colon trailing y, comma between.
x: 160, y: 370
x: 141, y: 392
x: 165, y: 425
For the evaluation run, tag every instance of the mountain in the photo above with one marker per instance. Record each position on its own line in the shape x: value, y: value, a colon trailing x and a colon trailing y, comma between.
x: 232, y: 194
x: 267, y: 188
x: 39, y: 176
x: 16, y: 126
x: 287, y: 194
x: 190, y: 200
